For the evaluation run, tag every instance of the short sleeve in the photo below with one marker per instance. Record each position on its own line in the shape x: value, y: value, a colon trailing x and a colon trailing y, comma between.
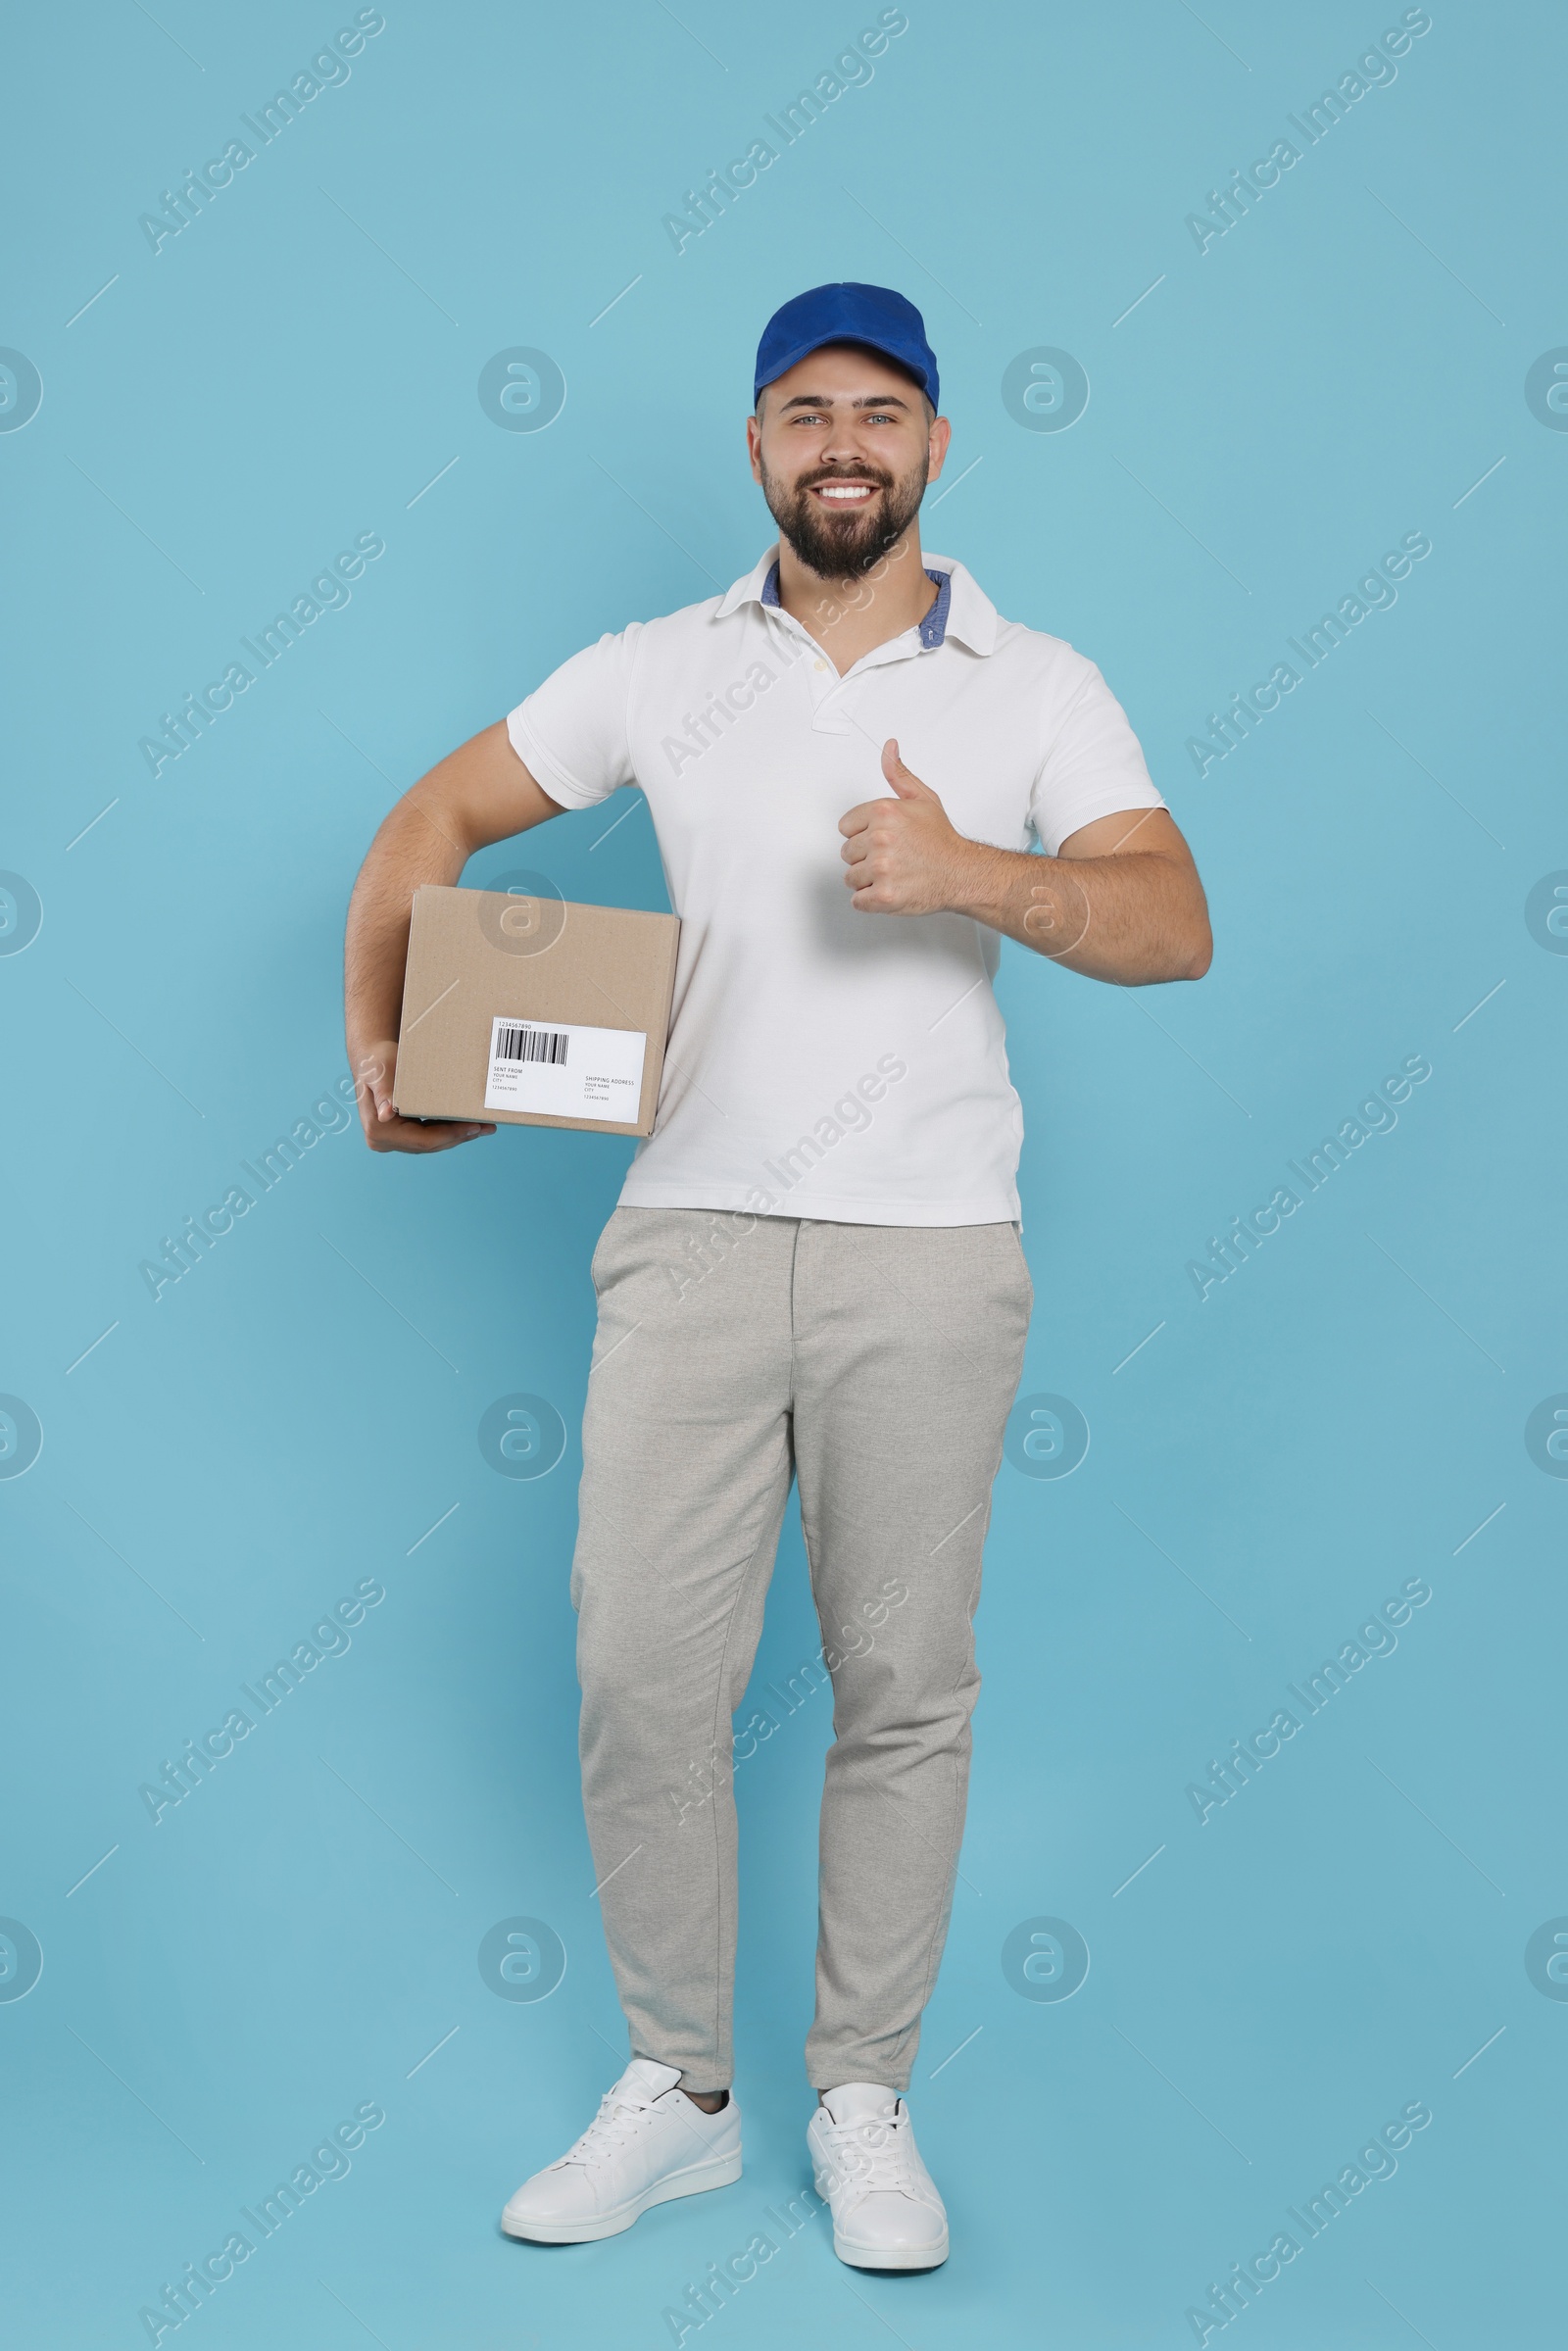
x: 572, y: 732
x: 1093, y: 767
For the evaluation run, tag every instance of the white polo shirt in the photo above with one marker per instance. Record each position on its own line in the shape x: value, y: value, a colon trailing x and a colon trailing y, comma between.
x: 825, y: 1062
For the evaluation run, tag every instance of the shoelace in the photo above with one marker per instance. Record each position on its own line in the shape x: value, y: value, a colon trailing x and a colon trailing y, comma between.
x: 618, y: 2120
x: 874, y: 2155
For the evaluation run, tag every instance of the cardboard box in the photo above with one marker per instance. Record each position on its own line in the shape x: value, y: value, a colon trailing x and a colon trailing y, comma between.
x: 532, y: 1012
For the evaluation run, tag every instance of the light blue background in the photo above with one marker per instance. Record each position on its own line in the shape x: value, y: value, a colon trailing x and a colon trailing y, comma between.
x: 294, y: 368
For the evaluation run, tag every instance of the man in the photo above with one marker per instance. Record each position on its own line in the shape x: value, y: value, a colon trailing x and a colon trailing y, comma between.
x: 815, y: 1267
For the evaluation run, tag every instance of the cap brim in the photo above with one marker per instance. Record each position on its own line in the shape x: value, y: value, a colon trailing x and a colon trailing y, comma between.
x: 823, y: 342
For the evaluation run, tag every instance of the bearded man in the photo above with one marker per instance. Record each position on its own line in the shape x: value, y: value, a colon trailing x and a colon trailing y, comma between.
x: 861, y: 778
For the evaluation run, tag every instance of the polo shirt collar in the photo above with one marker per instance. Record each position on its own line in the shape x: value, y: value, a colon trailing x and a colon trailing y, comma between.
x: 962, y: 610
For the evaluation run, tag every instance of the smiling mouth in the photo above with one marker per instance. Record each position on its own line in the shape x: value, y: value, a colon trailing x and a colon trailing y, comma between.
x: 845, y: 493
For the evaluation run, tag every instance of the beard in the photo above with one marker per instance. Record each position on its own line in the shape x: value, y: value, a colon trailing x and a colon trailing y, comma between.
x: 844, y: 546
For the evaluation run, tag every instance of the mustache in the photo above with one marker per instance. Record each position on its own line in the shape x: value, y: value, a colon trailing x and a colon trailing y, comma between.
x: 811, y: 481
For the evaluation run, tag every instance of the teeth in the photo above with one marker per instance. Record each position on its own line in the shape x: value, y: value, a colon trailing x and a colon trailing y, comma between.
x: 856, y: 491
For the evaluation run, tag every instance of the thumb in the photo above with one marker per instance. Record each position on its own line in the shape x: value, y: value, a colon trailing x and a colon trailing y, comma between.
x: 375, y: 1072
x: 906, y: 783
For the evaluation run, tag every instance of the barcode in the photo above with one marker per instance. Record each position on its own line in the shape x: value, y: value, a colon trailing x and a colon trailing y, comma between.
x: 531, y: 1045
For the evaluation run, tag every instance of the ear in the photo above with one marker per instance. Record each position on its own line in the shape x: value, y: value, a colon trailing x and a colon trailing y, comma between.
x: 906, y: 783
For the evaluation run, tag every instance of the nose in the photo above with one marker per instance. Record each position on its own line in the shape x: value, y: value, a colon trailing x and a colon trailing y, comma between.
x: 843, y: 447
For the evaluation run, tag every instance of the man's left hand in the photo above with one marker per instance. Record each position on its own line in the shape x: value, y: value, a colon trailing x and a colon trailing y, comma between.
x: 902, y: 855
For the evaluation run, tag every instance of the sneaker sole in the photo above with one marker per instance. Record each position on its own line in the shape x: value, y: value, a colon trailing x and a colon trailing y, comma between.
x: 722, y: 2171
x: 890, y: 2257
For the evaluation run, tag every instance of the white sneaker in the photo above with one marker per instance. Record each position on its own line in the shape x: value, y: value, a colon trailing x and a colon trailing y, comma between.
x: 647, y: 2143
x: 887, y: 2214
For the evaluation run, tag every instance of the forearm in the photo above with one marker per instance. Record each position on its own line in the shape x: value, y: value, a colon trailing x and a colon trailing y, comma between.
x: 1124, y: 904
x: 1133, y: 918
x: 416, y: 842
x: 479, y: 793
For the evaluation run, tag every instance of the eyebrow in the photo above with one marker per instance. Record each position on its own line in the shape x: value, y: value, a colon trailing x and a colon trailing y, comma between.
x: 881, y: 400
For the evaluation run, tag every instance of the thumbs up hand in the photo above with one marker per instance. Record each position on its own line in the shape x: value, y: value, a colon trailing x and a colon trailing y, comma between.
x: 902, y: 855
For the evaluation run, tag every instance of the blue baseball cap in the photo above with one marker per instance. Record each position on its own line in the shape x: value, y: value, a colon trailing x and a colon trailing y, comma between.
x: 847, y: 314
